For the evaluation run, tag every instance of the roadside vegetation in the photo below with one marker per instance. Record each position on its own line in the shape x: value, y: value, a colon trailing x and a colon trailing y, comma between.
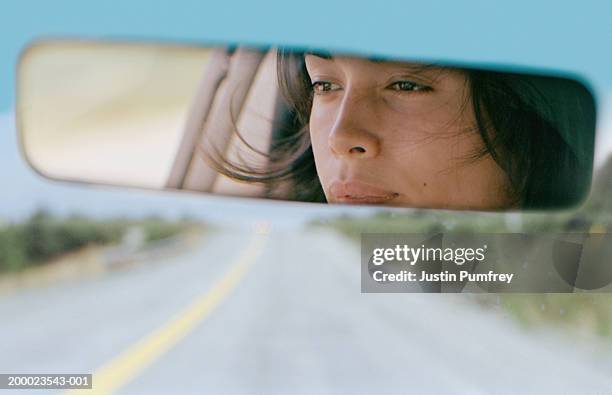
x: 44, y: 236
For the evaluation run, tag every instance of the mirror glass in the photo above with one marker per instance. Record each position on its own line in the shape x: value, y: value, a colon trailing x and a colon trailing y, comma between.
x: 309, y: 125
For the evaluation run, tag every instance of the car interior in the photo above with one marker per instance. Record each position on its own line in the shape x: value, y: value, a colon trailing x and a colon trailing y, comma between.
x: 237, y: 104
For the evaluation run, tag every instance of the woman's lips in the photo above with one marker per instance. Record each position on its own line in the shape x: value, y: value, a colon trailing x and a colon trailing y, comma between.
x: 356, y: 192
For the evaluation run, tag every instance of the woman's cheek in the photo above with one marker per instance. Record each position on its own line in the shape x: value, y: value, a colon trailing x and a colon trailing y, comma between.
x: 320, y: 124
x: 317, y: 133
x: 319, y: 137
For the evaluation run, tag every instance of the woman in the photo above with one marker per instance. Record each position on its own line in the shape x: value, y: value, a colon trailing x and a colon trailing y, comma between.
x: 368, y: 131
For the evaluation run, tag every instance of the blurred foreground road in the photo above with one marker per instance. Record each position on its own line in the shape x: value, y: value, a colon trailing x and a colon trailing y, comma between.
x: 294, y: 322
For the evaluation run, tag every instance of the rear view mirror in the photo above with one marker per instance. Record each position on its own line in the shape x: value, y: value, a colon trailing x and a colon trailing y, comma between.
x: 305, y: 126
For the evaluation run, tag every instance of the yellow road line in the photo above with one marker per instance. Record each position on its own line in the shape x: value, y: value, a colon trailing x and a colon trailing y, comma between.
x: 134, y: 360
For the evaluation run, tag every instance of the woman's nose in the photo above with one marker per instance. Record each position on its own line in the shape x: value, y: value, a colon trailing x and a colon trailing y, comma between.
x: 352, y: 135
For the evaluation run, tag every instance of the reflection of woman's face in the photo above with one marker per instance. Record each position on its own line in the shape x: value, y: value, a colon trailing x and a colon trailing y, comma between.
x: 399, y: 134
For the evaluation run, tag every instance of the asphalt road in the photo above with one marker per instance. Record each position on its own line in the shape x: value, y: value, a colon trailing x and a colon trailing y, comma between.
x: 281, y: 313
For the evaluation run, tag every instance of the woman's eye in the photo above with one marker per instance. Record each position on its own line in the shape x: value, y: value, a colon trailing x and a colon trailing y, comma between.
x: 408, y: 86
x: 324, y: 86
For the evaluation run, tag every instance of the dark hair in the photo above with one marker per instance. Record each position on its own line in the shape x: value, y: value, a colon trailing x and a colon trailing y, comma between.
x: 539, y: 130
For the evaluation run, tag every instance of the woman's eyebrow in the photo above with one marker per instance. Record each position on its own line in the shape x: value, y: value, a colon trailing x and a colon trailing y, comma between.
x: 413, y: 66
